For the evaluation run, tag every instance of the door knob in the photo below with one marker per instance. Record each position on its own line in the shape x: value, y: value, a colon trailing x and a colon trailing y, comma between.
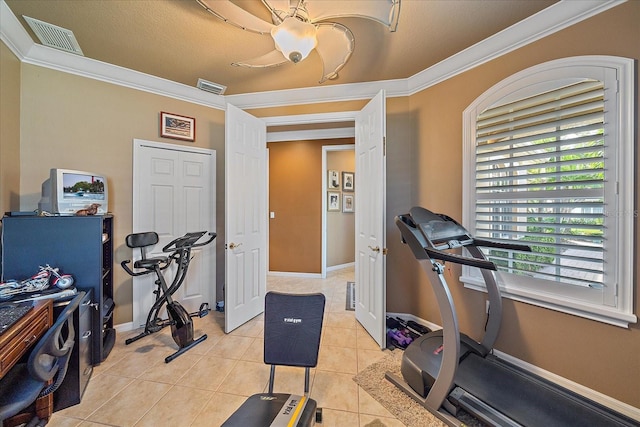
x: 233, y: 245
x: 375, y: 249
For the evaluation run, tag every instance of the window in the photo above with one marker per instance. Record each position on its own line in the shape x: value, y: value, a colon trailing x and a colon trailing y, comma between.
x: 548, y: 162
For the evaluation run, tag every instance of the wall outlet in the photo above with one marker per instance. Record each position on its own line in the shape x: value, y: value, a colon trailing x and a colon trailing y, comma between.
x: 486, y: 309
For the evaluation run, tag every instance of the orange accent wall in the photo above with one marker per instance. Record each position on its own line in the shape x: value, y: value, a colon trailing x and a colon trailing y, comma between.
x: 295, y: 196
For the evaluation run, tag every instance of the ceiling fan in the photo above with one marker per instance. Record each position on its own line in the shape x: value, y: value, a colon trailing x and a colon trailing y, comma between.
x: 299, y: 26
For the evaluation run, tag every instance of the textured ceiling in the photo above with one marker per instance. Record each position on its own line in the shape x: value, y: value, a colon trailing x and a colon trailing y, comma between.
x: 180, y: 41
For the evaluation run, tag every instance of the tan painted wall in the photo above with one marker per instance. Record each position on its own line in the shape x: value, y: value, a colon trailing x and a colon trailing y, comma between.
x: 605, y: 358
x: 341, y: 229
x: 9, y: 130
x: 78, y: 123
x: 295, y: 195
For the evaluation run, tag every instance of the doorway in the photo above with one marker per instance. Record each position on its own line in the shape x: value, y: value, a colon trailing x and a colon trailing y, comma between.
x: 297, y: 206
x: 370, y: 207
x: 338, y: 222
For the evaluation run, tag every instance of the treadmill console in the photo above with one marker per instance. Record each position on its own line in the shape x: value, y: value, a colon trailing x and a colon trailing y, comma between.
x: 442, y: 231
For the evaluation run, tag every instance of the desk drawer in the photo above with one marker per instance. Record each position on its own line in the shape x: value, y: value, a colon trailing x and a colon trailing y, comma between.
x: 25, y: 338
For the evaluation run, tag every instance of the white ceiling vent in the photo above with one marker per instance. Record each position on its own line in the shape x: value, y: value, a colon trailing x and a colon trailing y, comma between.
x: 211, y: 87
x: 54, y: 36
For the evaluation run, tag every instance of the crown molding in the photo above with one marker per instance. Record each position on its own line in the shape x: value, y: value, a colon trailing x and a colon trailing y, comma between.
x: 13, y: 34
x: 315, y: 118
x: 548, y: 21
x: 312, y: 134
x: 310, y: 119
x: 319, y: 94
x: 561, y: 15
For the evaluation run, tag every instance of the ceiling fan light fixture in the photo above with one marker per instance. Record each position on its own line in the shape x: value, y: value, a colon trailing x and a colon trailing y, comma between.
x: 294, y: 38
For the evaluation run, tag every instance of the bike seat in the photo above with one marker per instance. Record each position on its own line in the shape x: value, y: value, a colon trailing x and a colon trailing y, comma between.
x: 150, y: 263
x: 145, y: 240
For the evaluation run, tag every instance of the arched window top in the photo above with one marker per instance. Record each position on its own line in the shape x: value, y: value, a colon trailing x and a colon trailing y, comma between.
x: 548, y: 157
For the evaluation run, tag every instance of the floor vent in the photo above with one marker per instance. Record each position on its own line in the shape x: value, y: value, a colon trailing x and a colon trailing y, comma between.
x: 54, y: 36
x: 211, y: 87
x: 351, y: 296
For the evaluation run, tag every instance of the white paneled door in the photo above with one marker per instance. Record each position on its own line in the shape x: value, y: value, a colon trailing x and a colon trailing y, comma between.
x: 174, y: 193
x: 245, y: 216
x: 370, y: 218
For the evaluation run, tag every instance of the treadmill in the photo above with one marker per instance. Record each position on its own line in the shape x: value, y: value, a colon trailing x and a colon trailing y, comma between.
x: 446, y: 370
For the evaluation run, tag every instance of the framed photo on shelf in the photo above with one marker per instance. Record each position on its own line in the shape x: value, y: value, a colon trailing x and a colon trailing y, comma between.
x: 333, y: 201
x: 333, y: 182
x: 348, y: 204
x: 348, y: 181
x: 177, y: 127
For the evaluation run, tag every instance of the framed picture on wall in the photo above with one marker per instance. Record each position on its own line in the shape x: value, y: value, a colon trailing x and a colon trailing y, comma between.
x: 177, y: 127
x: 333, y: 201
x: 348, y: 181
x: 348, y: 204
x: 333, y: 182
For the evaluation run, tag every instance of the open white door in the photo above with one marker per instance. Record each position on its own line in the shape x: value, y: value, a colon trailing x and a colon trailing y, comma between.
x: 370, y: 214
x: 246, y: 216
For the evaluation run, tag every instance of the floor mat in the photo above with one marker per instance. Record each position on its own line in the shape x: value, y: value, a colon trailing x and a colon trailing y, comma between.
x: 405, y: 409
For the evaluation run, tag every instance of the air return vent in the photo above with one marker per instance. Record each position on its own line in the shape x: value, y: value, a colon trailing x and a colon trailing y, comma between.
x: 54, y: 36
x: 211, y: 87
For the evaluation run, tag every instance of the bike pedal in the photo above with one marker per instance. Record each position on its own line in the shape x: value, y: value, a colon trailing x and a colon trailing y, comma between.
x: 204, y: 309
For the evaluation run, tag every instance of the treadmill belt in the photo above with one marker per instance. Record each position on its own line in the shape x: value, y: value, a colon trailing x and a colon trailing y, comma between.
x: 529, y: 401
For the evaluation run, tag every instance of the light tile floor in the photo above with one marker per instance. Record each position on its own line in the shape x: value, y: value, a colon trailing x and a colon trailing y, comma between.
x: 204, y: 386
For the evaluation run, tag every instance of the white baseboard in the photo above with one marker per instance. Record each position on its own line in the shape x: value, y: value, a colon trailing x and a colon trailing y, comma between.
x: 341, y: 266
x: 294, y: 274
x: 309, y: 275
x: 596, y: 396
x: 124, y: 327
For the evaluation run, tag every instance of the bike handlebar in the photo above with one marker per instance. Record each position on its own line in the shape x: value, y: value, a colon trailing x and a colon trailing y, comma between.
x: 188, y: 241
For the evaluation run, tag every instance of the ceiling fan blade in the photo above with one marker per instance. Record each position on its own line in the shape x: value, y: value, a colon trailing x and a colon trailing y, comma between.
x: 236, y: 15
x: 385, y: 12
x: 280, y: 9
x: 271, y: 59
x: 335, y: 45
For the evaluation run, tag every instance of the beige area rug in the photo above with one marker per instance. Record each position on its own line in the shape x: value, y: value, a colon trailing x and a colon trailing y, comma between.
x: 404, y: 408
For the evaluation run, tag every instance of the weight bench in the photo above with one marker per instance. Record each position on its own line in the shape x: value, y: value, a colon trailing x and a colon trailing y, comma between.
x: 292, y: 328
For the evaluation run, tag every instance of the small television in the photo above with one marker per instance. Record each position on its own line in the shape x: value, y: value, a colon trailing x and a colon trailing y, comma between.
x: 68, y: 191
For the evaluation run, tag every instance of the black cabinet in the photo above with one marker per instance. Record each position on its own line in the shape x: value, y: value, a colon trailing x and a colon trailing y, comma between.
x: 80, y: 363
x: 79, y: 245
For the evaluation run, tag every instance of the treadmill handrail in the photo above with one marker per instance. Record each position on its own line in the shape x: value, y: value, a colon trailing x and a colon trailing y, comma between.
x: 501, y: 245
x: 459, y: 259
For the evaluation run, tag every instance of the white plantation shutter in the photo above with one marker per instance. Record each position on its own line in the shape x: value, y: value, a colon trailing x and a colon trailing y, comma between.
x: 540, y: 180
x: 548, y: 162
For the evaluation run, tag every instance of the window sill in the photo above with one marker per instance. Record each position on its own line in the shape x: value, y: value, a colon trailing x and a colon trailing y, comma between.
x: 599, y: 314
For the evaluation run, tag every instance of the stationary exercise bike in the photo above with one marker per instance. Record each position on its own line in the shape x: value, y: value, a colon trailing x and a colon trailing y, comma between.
x: 178, y: 317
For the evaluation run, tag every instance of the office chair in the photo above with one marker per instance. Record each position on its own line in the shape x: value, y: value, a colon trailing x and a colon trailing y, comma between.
x: 26, y: 382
